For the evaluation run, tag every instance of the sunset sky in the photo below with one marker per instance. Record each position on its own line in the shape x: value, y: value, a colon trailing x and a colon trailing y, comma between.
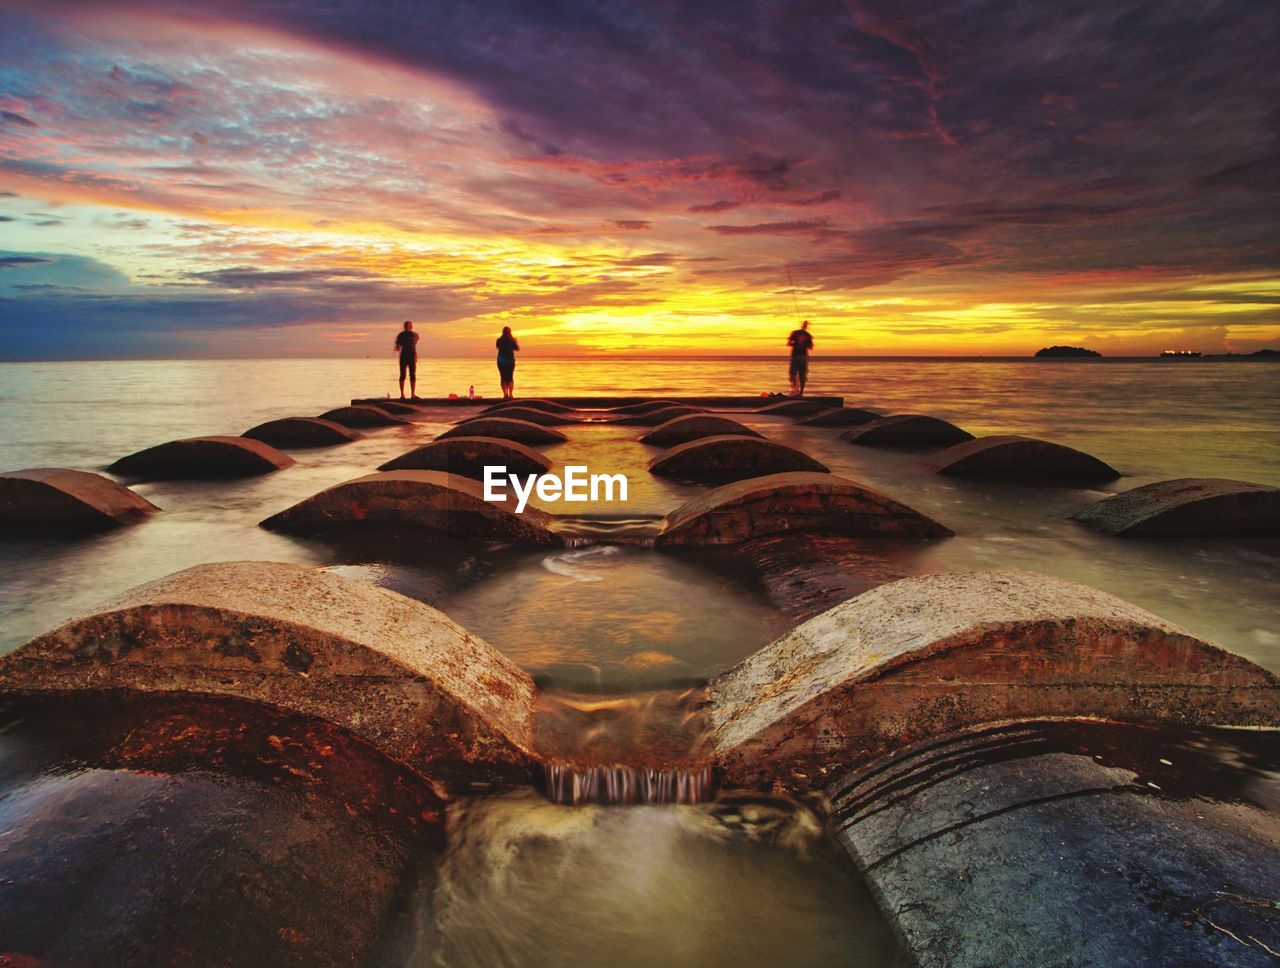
x: 295, y: 177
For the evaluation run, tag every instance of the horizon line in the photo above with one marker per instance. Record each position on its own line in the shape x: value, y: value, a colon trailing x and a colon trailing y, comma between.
x: 842, y: 357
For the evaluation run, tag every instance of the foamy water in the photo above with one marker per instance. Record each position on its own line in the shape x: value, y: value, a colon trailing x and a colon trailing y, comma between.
x: 526, y: 882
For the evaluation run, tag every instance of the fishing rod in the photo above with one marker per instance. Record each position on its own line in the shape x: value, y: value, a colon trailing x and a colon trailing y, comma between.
x: 794, y: 301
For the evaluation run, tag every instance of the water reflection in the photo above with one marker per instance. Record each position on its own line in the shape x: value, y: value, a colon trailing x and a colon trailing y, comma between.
x: 598, y: 618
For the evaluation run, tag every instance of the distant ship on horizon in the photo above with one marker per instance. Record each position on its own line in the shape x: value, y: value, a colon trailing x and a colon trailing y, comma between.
x: 1180, y: 354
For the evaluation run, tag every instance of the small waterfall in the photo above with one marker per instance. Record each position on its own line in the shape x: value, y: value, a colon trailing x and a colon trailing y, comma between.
x: 587, y: 540
x: 578, y: 531
x: 572, y: 785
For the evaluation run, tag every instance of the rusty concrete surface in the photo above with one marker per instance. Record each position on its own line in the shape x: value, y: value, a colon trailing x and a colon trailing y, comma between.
x: 468, y: 457
x: 431, y: 500
x: 654, y: 417
x: 1189, y: 507
x: 931, y: 656
x: 791, y: 502
x: 694, y: 426
x: 201, y: 458
x: 401, y: 408
x: 363, y: 416
x: 794, y: 408
x: 805, y: 573
x: 1073, y: 844
x: 529, y: 414
x: 537, y: 404
x: 61, y: 499
x: 1013, y: 457
x: 907, y: 430
x: 302, y: 432
x: 397, y: 673
x: 731, y: 457
x: 506, y: 429
x: 604, y: 401
x: 840, y: 417
x: 150, y: 831
x: 646, y: 406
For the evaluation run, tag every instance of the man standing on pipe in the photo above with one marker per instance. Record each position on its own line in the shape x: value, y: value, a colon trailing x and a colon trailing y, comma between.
x: 407, y: 346
x: 801, y: 343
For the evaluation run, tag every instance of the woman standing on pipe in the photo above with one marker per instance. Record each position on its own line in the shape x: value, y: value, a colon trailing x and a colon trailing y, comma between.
x: 507, y: 349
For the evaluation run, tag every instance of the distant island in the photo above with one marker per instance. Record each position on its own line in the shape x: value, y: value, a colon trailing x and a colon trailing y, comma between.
x: 1059, y: 352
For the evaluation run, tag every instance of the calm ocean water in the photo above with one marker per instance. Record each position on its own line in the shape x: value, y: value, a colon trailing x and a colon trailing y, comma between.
x: 616, y: 615
x: 1153, y: 419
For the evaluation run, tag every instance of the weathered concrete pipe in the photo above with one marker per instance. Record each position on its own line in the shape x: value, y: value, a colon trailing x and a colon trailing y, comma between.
x: 731, y: 457
x: 66, y: 500
x: 302, y: 432
x: 429, y: 500
x: 363, y: 415
x: 694, y: 426
x: 530, y: 413
x: 202, y: 458
x: 928, y: 657
x: 1072, y: 844
x: 469, y: 456
x: 395, y: 672
x: 1189, y: 508
x: 795, y: 502
x: 505, y: 428
x: 197, y: 831
x: 1010, y: 457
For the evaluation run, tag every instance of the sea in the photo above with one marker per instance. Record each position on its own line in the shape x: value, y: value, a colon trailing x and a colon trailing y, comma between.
x: 616, y: 615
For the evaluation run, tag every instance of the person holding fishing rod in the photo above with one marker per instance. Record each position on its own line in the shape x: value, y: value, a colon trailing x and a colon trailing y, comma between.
x: 801, y: 343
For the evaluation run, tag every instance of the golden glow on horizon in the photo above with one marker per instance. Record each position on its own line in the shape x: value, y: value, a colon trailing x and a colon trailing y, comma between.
x: 675, y: 312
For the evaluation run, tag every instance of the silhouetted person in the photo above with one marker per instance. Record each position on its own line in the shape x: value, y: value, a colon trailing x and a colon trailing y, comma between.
x: 407, y: 347
x: 507, y: 349
x: 801, y: 343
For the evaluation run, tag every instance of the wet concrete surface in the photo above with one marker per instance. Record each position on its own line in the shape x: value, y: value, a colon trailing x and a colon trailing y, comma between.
x: 1074, y: 844
x: 198, y: 832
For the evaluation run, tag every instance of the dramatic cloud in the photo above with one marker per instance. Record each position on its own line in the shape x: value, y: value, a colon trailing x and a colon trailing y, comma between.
x: 770, y: 228
x: 951, y: 177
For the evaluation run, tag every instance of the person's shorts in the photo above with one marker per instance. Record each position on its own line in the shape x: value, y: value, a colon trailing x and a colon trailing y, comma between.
x: 799, y: 366
x: 408, y: 364
x: 507, y: 370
